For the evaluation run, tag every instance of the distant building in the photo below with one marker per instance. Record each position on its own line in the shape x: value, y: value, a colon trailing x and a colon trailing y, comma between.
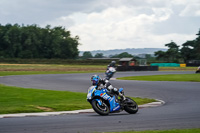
x: 127, y: 62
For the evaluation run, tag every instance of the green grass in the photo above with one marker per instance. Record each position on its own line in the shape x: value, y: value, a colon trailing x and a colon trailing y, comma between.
x: 29, y: 69
x: 165, y: 131
x: 45, y: 66
x: 20, y: 100
x: 7, y: 69
x: 170, y: 77
x: 177, y: 69
x: 9, y: 73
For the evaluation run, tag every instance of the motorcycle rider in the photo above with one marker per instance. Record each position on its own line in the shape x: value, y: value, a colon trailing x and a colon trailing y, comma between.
x: 112, y: 64
x: 109, y: 73
x: 198, y: 70
x: 104, y: 83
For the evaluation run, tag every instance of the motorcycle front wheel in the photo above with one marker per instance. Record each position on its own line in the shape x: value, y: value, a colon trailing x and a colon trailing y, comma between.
x: 100, y: 109
x: 131, y: 106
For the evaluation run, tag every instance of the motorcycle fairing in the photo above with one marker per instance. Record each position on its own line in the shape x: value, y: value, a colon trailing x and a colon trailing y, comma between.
x: 114, y: 106
x: 90, y: 92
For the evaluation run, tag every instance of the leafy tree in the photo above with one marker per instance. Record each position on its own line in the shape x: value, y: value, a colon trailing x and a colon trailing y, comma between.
x: 150, y: 58
x: 34, y: 42
x: 190, y: 51
x: 197, y: 46
x: 98, y: 55
x: 172, y: 54
x: 160, y: 55
x: 123, y: 55
x: 187, y: 50
x: 87, y: 54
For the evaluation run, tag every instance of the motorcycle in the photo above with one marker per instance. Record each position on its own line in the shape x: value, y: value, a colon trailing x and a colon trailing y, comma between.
x: 103, y: 102
x: 110, y: 72
x: 198, y: 70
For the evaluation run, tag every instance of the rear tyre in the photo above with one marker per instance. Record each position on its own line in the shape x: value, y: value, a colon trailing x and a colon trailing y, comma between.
x: 100, y: 109
x: 131, y: 106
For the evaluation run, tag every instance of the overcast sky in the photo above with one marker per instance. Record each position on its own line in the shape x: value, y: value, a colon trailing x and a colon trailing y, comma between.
x: 111, y: 24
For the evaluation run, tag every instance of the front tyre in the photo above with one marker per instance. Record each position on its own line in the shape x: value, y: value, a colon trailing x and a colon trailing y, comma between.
x: 100, y: 109
x: 131, y: 106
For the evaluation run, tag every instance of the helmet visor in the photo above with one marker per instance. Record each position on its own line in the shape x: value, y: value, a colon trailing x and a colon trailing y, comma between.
x: 95, y: 81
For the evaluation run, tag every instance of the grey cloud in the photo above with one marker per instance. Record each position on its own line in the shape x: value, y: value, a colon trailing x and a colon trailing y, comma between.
x: 57, y: 12
x: 38, y: 11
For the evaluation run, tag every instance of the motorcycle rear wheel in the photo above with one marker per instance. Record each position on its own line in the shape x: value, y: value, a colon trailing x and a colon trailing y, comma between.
x: 100, y: 109
x: 131, y: 106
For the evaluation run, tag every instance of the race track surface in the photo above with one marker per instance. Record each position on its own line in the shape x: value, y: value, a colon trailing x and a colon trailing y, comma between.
x: 181, y: 109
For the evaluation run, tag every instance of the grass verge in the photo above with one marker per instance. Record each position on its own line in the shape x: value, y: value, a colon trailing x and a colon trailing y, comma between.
x: 177, y: 69
x: 7, y: 69
x: 21, y: 100
x: 28, y: 69
x: 165, y: 131
x: 10, y: 73
x: 170, y: 77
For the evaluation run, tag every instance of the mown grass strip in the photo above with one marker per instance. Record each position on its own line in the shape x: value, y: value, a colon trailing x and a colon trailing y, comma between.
x: 21, y: 100
x: 29, y: 69
x: 177, y: 69
x: 10, y: 73
x: 170, y: 77
x: 165, y: 131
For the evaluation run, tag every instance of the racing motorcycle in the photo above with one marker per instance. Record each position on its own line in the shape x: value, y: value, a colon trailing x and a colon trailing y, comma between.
x: 198, y: 70
x: 103, y: 102
x: 110, y: 72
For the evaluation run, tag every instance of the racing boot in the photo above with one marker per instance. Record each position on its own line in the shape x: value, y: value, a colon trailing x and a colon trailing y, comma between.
x: 122, y: 96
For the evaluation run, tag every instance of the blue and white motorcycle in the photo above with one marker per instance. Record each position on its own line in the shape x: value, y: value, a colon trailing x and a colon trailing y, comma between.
x: 110, y: 72
x: 103, y: 102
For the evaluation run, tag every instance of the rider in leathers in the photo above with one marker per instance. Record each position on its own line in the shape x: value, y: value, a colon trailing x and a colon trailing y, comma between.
x: 111, y: 69
x: 104, y: 83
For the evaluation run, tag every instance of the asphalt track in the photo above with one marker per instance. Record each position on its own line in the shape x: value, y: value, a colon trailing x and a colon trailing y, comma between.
x: 181, y: 109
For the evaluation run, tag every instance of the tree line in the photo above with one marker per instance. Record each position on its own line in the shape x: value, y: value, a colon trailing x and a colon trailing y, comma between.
x: 190, y: 50
x: 88, y: 54
x: 32, y: 41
